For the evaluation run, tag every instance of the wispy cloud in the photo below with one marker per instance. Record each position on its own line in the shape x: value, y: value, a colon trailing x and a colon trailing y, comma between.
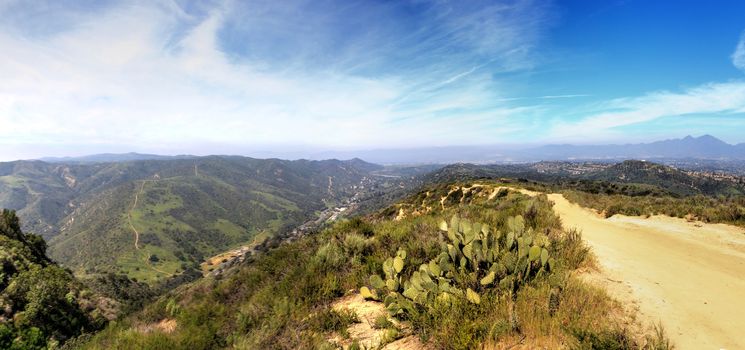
x: 204, y: 77
x: 604, y: 117
x: 607, y: 120
x: 156, y: 75
x: 738, y: 57
x: 709, y: 103
x: 552, y: 97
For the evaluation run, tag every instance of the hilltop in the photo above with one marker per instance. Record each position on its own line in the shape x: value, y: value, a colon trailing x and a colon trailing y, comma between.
x: 158, y: 219
x: 119, y: 224
x: 671, y: 179
x: 633, y: 176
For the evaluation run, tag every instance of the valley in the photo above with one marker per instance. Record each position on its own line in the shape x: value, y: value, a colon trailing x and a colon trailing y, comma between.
x: 153, y: 219
x: 368, y: 188
x: 640, y: 273
x: 157, y: 219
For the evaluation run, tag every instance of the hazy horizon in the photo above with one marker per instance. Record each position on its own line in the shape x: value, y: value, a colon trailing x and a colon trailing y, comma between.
x: 403, y: 155
x: 255, y: 77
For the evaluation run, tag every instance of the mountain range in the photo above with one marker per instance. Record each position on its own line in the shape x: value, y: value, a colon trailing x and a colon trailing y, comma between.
x: 704, y: 147
x: 689, y: 147
x: 133, y: 227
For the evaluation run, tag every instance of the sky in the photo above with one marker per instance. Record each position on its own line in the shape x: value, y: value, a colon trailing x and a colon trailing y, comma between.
x: 236, y: 77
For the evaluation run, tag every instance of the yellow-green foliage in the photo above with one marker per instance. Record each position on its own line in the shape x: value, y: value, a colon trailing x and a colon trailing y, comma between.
x: 472, y: 259
x: 729, y: 210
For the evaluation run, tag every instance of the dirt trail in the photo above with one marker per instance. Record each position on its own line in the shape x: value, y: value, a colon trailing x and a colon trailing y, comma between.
x: 129, y: 215
x: 690, y: 276
x: 331, y: 187
x: 364, y: 332
x: 137, y: 234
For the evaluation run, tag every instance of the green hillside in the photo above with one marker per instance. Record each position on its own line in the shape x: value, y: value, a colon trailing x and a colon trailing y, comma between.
x: 153, y: 219
x: 478, y: 284
x: 631, y: 187
x: 40, y: 192
x: 42, y: 304
x: 631, y: 176
x: 670, y: 179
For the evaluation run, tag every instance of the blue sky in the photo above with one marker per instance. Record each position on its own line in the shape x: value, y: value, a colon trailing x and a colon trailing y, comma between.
x: 169, y: 76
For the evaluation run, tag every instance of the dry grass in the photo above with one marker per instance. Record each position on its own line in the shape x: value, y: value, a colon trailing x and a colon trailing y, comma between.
x: 166, y: 325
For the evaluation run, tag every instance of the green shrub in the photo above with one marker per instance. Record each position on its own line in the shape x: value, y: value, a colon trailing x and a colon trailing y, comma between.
x: 572, y: 249
x: 329, y: 257
x: 588, y: 339
x: 356, y: 244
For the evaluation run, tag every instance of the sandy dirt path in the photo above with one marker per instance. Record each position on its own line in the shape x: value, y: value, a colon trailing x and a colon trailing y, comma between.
x: 364, y: 332
x: 129, y: 215
x: 137, y: 233
x: 689, y: 276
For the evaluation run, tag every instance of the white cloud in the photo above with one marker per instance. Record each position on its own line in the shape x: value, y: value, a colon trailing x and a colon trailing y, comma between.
x: 712, y: 98
x: 602, y: 121
x: 738, y: 57
x: 132, y: 76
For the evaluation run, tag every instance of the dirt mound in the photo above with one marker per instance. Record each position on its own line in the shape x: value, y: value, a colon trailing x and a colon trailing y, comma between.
x: 366, y: 334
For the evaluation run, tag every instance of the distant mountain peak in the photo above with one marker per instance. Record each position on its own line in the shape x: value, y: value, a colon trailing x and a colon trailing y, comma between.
x: 710, y: 138
x: 705, y: 137
x: 702, y: 147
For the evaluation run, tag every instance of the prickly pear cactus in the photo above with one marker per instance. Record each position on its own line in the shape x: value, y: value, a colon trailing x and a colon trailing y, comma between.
x: 473, y: 258
x: 544, y: 257
x: 534, y: 253
x: 472, y: 296
x: 376, y: 282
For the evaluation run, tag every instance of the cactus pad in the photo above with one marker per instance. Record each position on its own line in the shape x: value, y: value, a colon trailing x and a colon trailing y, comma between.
x: 376, y: 282
x: 472, y: 296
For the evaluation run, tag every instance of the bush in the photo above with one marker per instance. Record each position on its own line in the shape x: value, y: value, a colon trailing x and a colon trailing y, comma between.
x: 356, y: 244
x: 329, y: 257
x: 572, y: 249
